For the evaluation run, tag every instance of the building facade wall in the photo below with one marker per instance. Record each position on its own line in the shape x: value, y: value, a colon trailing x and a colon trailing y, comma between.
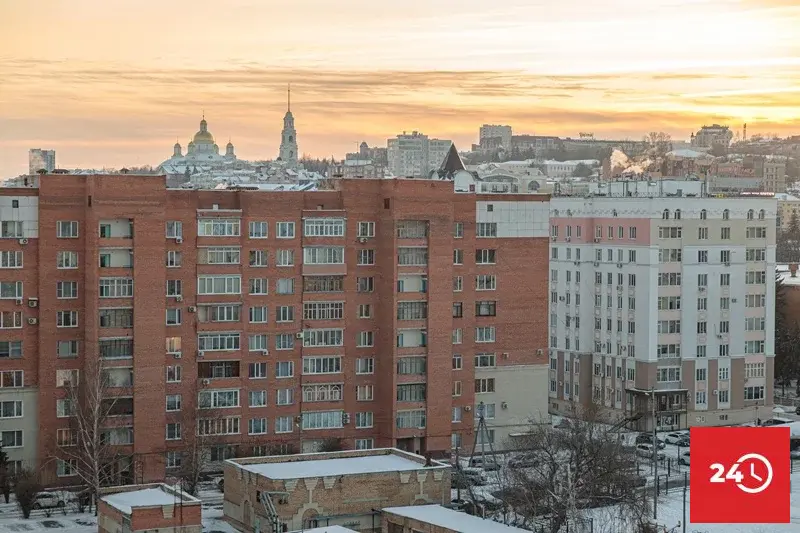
x: 144, y: 352
x: 708, y: 336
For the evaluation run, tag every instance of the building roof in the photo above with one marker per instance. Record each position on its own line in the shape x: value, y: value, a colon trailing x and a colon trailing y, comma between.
x: 452, y: 161
x: 328, y: 529
x: 449, y: 519
x: 306, y: 466
x: 152, y: 496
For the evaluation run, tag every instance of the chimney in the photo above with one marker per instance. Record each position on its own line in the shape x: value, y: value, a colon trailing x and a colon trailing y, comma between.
x: 793, y: 270
x: 428, y: 459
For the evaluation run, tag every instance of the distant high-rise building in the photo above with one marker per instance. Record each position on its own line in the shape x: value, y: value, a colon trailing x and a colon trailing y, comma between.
x: 415, y: 155
x: 39, y: 159
x: 492, y: 136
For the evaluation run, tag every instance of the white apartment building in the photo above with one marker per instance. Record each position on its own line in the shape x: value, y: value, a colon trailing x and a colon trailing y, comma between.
x: 39, y: 159
x: 415, y: 155
x: 664, y: 296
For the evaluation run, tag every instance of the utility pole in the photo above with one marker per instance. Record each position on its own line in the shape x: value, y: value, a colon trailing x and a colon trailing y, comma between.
x: 655, y: 455
x: 685, y: 485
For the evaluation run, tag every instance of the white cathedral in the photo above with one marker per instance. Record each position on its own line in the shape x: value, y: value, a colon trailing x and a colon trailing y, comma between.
x: 202, y: 154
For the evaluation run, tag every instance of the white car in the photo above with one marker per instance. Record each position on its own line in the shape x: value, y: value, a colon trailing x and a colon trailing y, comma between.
x: 646, y: 451
x: 48, y: 500
x: 675, y: 438
x: 684, y: 459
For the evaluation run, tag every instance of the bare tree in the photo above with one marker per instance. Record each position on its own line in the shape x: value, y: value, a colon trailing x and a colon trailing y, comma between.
x: 571, y: 469
x: 331, y: 444
x: 657, y: 143
x: 87, y: 445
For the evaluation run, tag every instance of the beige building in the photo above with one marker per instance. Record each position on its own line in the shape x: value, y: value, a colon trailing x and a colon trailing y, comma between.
x: 774, y: 179
x: 787, y: 205
x: 348, y: 489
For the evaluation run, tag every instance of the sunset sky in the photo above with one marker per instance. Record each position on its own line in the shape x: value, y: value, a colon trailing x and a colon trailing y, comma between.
x: 115, y: 82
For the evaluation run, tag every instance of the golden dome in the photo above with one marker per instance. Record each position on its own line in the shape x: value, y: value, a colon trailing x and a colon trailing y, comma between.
x: 203, y: 136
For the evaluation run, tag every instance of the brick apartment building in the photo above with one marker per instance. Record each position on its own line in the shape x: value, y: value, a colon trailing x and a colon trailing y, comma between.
x: 379, y: 313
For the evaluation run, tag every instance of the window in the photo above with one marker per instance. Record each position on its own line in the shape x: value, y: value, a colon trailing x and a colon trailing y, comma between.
x: 285, y: 397
x: 66, y: 468
x: 458, y: 310
x: 457, y: 336
x: 486, y: 308
x: 258, y: 342
x: 284, y: 313
x: 258, y: 286
x: 258, y: 314
x: 485, y: 257
x: 323, y: 227
x: 173, y: 402
x: 324, y: 392
x: 174, y: 374
x: 11, y: 409
x: 321, y: 420
x: 221, y: 255
x: 756, y: 233
x: 323, y: 337
x: 10, y: 319
x: 322, y: 365
x: 364, y: 310
x: 365, y: 365
x: 458, y: 230
x: 218, y: 399
x: 669, y: 232
x: 67, y: 349
x: 323, y: 255
x: 174, y: 287
x: 284, y: 424
x: 668, y: 374
x: 284, y: 369
x: 284, y: 258
x: 66, y: 290
x: 670, y: 255
x: 218, y: 342
x: 173, y: 259
x: 366, y: 257
x: 258, y: 230
x: 174, y: 229
x: 754, y: 370
x: 256, y: 426
x: 723, y: 397
x: 257, y: 258
x: 67, y: 229
x: 173, y: 431
x: 755, y: 254
x: 257, y: 370
x: 485, y: 334
x: 67, y: 260
x: 284, y: 286
x: 411, y: 419
x: 284, y: 341
x: 700, y: 374
x: 484, y: 385
x: 702, y: 256
x: 485, y: 282
x: 366, y: 284
x: 754, y: 393
x: 174, y: 317
x: 10, y: 259
x: 11, y: 379
x: 485, y: 360
x: 458, y: 257
x: 365, y: 339
x: 66, y: 319
x: 366, y: 229
x: 486, y: 229
x: 219, y: 284
x: 11, y: 229
x: 116, y: 287
x: 218, y: 227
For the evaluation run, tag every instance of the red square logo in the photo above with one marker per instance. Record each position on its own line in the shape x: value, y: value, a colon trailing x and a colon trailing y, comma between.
x: 740, y: 475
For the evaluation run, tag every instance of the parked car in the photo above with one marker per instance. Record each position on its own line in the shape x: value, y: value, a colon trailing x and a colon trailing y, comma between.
x: 647, y: 438
x: 489, y: 464
x: 775, y: 421
x: 467, y: 476
x: 684, y: 459
x: 675, y: 438
x: 523, y: 461
x: 48, y: 500
x: 646, y: 451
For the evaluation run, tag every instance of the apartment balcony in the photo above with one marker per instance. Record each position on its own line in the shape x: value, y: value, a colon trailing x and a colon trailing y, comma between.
x: 116, y: 233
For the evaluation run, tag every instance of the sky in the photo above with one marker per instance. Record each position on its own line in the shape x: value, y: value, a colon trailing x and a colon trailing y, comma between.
x: 112, y: 83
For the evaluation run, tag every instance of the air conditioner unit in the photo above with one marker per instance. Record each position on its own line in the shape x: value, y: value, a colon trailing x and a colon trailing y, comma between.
x: 539, y: 352
x: 727, y: 263
x: 553, y: 238
x: 733, y: 300
x: 596, y: 239
x: 561, y: 298
x: 178, y: 298
x: 32, y: 321
x: 596, y: 264
x: 264, y: 352
x: 298, y: 335
x: 345, y: 418
x: 619, y: 265
x: 33, y: 302
x: 503, y: 405
x: 23, y: 241
x: 19, y: 301
x: 362, y: 240
x: 200, y: 353
x: 178, y: 240
x: 206, y: 382
x: 715, y: 392
x: 177, y: 355
x: 468, y: 408
x: 192, y: 309
x: 569, y: 239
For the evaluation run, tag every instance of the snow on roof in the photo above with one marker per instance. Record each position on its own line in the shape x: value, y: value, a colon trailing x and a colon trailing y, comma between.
x: 328, y: 529
x: 345, y: 466
x: 149, y: 497
x: 690, y: 154
x: 449, y: 519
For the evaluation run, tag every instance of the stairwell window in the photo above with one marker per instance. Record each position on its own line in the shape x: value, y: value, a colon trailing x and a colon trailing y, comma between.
x: 67, y: 260
x: 67, y: 229
x: 66, y: 319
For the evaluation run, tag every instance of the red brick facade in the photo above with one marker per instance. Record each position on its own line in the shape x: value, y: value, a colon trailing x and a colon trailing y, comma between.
x: 520, y: 321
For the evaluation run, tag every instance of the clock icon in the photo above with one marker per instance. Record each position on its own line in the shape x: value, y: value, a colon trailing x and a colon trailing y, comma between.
x: 759, y: 472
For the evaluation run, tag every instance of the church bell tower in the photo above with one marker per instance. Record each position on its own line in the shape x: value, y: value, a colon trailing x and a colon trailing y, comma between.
x: 288, y: 151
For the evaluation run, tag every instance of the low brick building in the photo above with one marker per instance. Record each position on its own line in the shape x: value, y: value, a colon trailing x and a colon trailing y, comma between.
x: 280, y: 493
x: 438, y: 519
x: 154, y: 507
